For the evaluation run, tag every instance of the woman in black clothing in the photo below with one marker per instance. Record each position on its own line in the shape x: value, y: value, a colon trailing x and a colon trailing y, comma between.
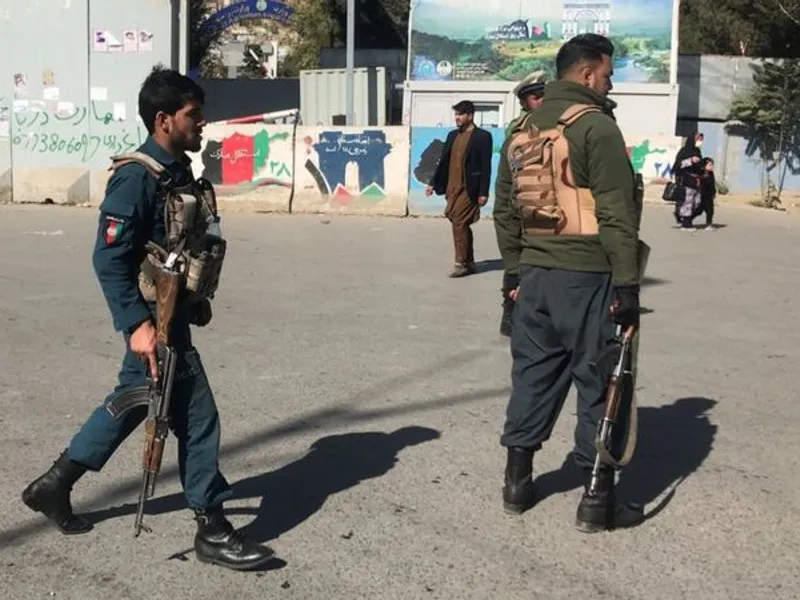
x: 688, y: 170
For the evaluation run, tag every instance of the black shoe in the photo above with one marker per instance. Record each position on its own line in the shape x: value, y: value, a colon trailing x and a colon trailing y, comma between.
x: 599, y: 511
x: 519, y: 493
x: 49, y: 495
x: 218, y: 543
x: 505, y: 320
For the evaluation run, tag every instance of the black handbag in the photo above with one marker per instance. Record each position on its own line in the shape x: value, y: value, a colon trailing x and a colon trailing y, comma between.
x: 669, y: 191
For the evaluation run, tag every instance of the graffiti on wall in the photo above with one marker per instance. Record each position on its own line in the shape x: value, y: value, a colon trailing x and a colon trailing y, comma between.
x: 348, y: 166
x: 79, y: 133
x: 653, y: 158
x: 427, y: 144
x: 243, y: 160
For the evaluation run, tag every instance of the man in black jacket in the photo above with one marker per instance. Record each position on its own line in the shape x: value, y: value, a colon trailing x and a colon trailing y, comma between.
x: 463, y: 175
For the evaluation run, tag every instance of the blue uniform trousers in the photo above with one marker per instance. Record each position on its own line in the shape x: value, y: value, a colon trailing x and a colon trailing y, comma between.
x: 194, y: 421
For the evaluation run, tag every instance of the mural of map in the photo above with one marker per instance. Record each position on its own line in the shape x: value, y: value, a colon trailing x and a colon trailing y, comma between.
x: 508, y: 39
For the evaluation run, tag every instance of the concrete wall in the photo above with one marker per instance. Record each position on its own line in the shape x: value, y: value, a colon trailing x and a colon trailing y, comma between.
x: 351, y: 170
x: 67, y: 103
x: 710, y: 83
x: 251, y: 166
x: 332, y: 170
x: 277, y: 168
x: 652, y: 156
x: 743, y: 174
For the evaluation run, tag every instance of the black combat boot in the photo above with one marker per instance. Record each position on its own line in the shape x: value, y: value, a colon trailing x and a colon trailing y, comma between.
x: 519, y: 493
x: 600, y: 511
x: 49, y: 495
x: 218, y: 543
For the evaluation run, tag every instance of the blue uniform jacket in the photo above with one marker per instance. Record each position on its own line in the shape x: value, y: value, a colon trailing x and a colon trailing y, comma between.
x: 131, y: 214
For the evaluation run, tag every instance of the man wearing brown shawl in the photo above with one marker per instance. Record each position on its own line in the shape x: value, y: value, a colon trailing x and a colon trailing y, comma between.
x: 463, y: 175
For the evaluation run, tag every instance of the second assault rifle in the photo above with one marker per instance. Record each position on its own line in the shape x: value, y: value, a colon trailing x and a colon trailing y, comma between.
x: 155, y: 395
x: 615, y: 366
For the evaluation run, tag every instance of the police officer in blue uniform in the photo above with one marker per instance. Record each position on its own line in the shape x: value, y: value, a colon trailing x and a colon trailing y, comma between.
x: 132, y: 212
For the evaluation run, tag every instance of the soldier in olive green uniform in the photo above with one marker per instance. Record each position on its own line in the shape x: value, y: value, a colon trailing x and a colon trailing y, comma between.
x: 530, y: 92
x: 567, y: 285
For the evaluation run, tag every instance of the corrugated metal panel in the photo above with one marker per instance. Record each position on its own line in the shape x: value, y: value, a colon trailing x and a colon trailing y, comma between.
x: 323, y: 94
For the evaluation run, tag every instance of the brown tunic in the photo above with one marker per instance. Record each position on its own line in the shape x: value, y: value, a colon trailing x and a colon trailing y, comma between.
x: 460, y: 209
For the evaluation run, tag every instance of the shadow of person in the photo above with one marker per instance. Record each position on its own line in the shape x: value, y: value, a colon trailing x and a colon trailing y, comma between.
x: 334, y: 464
x: 672, y: 443
x: 485, y: 266
x: 296, y: 491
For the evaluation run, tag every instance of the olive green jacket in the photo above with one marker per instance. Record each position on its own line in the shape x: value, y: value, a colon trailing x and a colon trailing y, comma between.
x: 599, y: 162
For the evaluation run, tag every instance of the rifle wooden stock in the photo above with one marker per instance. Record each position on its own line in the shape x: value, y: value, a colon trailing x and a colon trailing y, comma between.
x: 153, y: 446
x: 613, y: 391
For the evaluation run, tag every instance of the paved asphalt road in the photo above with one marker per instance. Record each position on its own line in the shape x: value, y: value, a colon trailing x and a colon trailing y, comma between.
x: 344, y: 336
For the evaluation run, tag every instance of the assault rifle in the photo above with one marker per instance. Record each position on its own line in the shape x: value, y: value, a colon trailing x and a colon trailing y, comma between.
x: 156, y: 394
x: 614, y: 365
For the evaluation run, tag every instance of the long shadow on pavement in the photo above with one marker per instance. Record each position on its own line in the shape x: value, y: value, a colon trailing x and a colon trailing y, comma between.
x: 673, y: 442
x: 295, y: 492
x: 320, y: 418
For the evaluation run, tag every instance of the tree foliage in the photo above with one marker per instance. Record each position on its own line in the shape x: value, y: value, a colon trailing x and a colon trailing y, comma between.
x: 323, y: 24
x: 770, y: 118
x: 762, y: 28
x: 203, y: 53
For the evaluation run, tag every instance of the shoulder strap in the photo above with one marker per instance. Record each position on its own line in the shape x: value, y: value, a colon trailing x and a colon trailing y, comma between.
x: 155, y: 168
x: 575, y: 112
x: 148, y: 162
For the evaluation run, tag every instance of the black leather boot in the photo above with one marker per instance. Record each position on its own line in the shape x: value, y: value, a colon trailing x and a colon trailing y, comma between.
x: 218, y: 543
x: 49, y: 495
x: 519, y: 493
x: 600, y: 511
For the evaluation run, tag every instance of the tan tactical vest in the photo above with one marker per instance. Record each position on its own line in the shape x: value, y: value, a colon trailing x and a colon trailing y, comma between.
x: 549, y: 201
x: 189, y: 211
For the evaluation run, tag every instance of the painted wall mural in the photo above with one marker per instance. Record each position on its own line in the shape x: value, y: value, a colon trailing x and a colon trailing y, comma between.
x: 248, y: 162
x: 282, y: 168
x: 653, y: 157
x: 427, y: 144
x: 351, y: 170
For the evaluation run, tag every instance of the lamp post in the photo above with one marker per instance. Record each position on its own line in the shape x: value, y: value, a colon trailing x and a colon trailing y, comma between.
x: 351, y: 83
x: 183, y: 37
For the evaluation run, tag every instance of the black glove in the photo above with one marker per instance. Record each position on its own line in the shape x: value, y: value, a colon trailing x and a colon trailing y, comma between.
x: 202, y: 313
x: 510, y: 283
x: 625, y: 308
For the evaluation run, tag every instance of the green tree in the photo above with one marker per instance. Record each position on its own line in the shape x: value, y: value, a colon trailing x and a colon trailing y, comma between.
x: 764, y: 28
x: 769, y: 117
x: 201, y: 43
x: 317, y: 28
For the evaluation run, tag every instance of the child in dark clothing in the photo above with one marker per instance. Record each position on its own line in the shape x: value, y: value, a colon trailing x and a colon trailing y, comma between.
x: 708, y: 192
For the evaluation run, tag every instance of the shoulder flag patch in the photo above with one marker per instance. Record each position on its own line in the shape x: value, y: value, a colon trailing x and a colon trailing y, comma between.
x: 113, y: 229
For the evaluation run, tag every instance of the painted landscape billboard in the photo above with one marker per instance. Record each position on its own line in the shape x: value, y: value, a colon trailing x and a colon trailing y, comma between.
x: 508, y: 39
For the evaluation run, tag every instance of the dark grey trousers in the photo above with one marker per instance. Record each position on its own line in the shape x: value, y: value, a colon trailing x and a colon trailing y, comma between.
x: 561, y: 323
